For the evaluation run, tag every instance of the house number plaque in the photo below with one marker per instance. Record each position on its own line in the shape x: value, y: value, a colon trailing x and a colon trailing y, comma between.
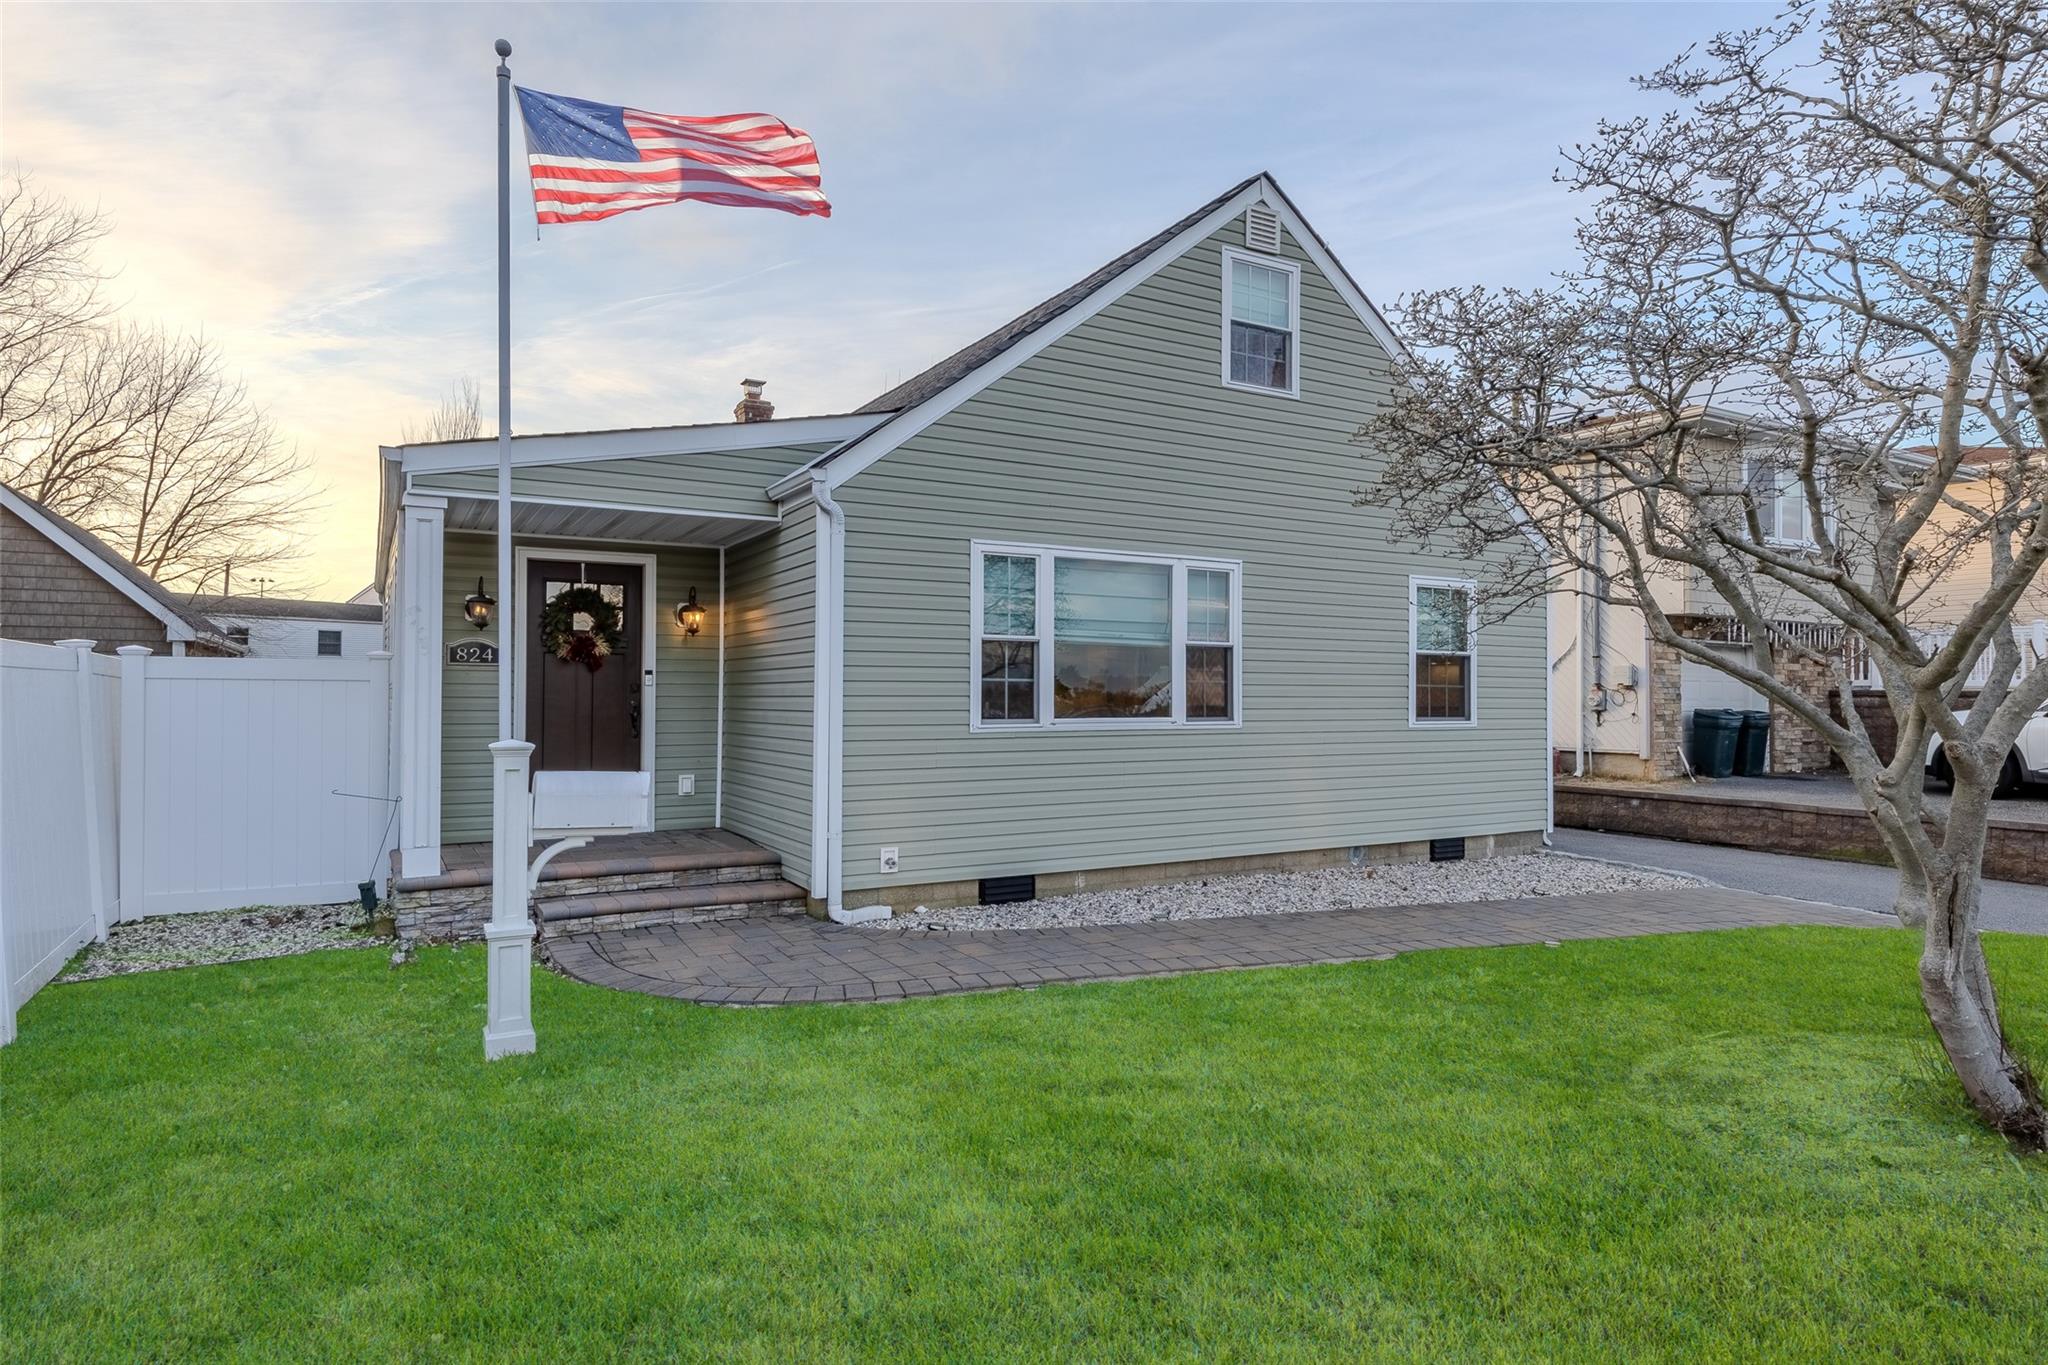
x: 472, y: 652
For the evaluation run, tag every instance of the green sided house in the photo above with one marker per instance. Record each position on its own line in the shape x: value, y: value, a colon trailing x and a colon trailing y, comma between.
x: 1086, y: 603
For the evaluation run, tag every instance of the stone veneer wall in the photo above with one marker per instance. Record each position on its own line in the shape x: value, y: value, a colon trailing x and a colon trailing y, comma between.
x: 1797, y: 747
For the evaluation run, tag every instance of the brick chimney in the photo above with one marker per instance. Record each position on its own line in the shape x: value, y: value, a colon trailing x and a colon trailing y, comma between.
x: 753, y: 407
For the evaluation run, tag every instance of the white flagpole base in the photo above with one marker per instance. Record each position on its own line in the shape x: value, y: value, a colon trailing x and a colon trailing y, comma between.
x: 508, y: 938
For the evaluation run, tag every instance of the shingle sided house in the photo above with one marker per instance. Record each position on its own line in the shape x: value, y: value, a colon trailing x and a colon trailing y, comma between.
x: 1087, y: 602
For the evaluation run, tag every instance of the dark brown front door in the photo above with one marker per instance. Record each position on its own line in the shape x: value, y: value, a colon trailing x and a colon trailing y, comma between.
x: 579, y: 717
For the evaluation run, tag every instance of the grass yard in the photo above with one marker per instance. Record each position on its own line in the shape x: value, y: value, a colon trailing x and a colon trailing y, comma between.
x: 1731, y: 1145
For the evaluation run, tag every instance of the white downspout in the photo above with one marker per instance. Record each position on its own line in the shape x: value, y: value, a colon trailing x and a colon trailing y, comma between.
x: 832, y: 621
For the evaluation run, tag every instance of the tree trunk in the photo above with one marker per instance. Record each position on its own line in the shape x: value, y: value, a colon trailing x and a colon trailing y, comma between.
x: 1955, y: 981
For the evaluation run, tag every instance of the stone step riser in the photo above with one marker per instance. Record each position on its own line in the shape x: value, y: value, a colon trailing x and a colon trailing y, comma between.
x: 480, y: 896
x: 643, y: 919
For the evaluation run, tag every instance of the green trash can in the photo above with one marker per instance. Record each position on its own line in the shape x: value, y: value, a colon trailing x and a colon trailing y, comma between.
x: 1753, y: 745
x: 1714, y: 731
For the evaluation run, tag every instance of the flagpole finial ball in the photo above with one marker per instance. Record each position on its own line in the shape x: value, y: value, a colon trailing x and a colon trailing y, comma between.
x: 504, y: 49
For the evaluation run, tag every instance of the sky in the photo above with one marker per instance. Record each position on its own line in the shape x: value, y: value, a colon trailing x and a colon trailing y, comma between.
x: 312, y: 186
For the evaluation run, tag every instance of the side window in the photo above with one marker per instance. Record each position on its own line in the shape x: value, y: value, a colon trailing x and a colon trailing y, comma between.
x: 1441, y: 646
x: 330, y: 642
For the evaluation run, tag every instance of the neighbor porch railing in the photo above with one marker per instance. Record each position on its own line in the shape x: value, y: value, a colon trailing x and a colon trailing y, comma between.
x: 2033, y: 642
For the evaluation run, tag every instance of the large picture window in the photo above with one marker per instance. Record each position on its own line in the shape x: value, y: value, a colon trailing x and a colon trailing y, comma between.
x: 1103, y: 638
x: 1261, y: 324
x: 1441, y: 624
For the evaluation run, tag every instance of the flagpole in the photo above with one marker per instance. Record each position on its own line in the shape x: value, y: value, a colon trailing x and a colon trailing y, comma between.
x: 507, y: 592
x: 508, y: 938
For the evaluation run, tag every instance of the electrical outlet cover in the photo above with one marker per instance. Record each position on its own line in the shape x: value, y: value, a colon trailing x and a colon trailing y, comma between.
x: 686, y: 784
x: 888, y: 860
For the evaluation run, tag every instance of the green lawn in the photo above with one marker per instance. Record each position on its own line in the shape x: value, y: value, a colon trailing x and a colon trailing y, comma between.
x: 1730, y: 1145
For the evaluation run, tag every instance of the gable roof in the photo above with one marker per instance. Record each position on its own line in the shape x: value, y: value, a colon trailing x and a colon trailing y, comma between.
x: 180, y: 621
x: 975, y: 354
x: 922, y: 400
x: 294, y: 608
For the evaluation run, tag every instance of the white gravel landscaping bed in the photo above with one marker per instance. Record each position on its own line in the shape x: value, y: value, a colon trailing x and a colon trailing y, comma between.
x: 1288, y: 893
x: 153, y: 945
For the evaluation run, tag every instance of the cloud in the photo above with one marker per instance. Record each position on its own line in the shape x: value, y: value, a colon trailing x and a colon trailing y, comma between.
x: 312, y: 185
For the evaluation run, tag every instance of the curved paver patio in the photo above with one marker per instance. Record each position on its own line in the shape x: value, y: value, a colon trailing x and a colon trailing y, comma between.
x: 793, y: 959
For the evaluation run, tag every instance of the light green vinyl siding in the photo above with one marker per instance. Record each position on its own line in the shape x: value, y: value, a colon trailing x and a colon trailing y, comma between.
x: 771, y: 583
x: 685, y: 677
x: 1122, y: 436
x: 726, y: 482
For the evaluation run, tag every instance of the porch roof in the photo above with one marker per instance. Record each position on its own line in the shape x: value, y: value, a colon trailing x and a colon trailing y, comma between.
x: 593, y: 520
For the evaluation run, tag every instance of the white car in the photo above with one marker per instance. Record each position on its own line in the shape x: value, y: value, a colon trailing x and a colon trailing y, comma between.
x: 2028, y: 761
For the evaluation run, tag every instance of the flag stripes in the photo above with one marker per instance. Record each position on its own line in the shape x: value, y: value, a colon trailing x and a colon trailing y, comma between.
x: 589, y: 161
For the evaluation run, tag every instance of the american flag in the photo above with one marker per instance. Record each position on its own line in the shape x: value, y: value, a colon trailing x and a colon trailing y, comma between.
x: 591, y: 161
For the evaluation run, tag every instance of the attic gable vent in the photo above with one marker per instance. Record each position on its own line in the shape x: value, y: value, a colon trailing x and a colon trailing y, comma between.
x: 1262, y: 229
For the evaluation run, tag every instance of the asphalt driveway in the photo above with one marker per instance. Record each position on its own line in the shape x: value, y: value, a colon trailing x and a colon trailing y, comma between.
x: 2010, y: 906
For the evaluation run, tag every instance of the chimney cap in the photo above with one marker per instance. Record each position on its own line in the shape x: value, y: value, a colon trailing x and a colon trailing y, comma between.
x: 753, y: 386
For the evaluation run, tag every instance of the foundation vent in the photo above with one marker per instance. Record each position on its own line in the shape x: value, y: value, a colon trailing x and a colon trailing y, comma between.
x: 1008, y: 890
x: 1447, y: 850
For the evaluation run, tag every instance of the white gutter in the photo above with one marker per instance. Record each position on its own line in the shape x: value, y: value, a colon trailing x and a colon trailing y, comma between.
x: 831, y: 683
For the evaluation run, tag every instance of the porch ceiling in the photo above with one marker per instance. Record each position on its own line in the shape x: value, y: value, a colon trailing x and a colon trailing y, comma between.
x: 599, y: 521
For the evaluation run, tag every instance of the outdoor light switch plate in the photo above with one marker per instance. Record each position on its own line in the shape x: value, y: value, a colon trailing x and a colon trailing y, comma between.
x: 686, y: 784
x: 888, y: 860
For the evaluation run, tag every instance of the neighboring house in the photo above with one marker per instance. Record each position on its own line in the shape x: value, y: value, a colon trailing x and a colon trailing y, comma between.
x: 1963, y: 578
x: 1086, y: 602
x: 59, y: 581
x: 1622, y: 704
x: 292, y: 628
x: 368, y: 595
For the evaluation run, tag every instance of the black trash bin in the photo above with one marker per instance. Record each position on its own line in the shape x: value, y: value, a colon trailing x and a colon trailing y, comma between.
x: 1753, y: 745
x: 1714, y: 731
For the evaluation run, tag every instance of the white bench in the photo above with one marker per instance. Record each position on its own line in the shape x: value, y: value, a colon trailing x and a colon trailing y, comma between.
x: 572, y: 808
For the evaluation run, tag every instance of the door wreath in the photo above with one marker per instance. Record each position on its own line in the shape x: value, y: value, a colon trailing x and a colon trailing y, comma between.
x: 561, y: 636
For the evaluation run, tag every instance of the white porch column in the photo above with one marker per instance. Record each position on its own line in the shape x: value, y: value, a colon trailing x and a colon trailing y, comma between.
x: 89, y: 724
x: 417, y: 642
x: 508, y: 1020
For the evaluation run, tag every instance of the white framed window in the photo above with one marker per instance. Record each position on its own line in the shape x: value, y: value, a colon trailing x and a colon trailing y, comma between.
x: 1261, y: 324
x: 1104, y: 639
x: 1443, y: 629
x: 1781, y: 504
x: 329, y: 642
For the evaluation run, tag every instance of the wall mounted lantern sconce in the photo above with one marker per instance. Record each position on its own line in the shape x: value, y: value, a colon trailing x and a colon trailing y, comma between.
x: 689, y: 615
x: 476, y: 608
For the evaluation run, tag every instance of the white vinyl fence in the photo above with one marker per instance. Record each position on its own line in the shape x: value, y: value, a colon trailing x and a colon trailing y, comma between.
x: 2032, y: 638
x: 150, y: 785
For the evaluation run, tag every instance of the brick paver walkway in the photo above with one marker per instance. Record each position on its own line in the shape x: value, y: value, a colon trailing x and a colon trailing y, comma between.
x: 793, y: 959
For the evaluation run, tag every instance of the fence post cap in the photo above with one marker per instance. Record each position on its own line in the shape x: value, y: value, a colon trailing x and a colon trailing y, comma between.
x: 130, y: 651
x: 76, y: 644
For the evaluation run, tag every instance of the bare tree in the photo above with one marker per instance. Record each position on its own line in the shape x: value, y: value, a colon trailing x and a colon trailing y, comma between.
x: 457, y: 417
x: 1841, y: 232
x: 138, y: 435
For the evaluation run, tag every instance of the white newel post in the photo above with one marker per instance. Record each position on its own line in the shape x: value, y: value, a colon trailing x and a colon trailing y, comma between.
x: 508, y: 1025
x: 420, y: 605
x: 89, y: 756
x: 134, y: 776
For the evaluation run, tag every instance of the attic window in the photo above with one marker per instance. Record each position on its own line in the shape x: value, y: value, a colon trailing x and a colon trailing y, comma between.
x: 1261, y: 324
x: 1262, y: 229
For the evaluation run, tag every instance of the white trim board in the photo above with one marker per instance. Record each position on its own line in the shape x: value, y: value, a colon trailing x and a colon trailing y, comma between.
x: 649, y: 642
x: 175, y: 629
x: 535, y: 500
x: 586, y: 447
